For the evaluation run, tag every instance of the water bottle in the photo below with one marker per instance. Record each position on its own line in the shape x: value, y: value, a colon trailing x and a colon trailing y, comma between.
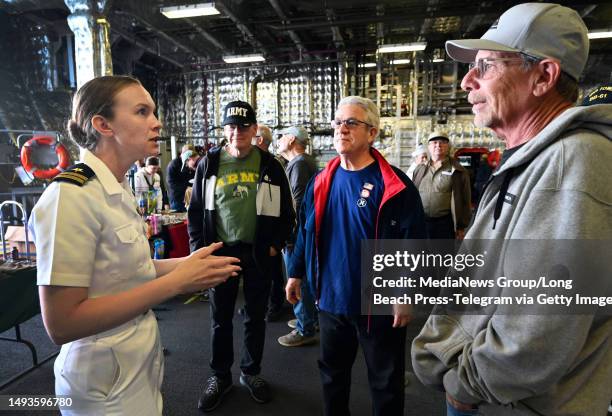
x: 158, y: 249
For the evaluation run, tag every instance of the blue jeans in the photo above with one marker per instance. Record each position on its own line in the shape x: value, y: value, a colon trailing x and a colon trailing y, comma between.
x: 452, y: 411
x: 305, y: 310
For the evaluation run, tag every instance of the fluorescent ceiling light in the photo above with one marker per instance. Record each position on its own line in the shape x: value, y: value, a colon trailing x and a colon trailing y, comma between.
x: 189, y: 10
x: 238, y: 59
x: 400, y: 61
x: 406, y: 47
x: 438, y: 60
x: 368, y: 65
x: 600, y: 34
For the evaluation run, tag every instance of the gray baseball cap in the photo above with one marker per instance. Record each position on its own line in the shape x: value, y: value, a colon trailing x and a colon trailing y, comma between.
x: 300, y: 134
x: 541, y: 30
x: 437, y: 135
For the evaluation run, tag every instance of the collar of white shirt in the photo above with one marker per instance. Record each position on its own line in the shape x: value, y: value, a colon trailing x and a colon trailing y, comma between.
x: 103, y: 173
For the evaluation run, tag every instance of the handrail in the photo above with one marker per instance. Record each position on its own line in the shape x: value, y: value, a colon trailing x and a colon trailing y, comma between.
x: 24, y: 219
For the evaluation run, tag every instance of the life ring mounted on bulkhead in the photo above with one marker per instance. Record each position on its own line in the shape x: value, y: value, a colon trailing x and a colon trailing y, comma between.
x: 60, y: 150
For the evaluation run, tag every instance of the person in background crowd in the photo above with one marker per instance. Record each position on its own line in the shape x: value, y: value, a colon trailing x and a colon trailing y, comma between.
x: 131, y: 173
x: 162, y: 185
x: 483, y: 173
x: 240, y: 197
x: 357, y: 196
x: 97, y: 281
x: 178, y: 178
x: 263, y: 137
x: 419, y: 157
x: 147, y: 183
x: 190, y: 159
x: 552, y: 184
x: 300, y: 169
x: 444, y: 186
x: 600, y: 95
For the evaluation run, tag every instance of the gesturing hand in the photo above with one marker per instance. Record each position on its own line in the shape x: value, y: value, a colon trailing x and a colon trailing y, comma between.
x: 202, y: 270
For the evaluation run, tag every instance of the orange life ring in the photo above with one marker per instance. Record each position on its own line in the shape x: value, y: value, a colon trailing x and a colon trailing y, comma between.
x: 60, y: 150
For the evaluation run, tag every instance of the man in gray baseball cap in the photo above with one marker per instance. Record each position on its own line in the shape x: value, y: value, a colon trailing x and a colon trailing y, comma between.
x: 298, y: 133
x: 552, y: 184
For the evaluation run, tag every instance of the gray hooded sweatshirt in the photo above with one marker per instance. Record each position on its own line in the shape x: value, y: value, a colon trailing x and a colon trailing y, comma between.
x: 555, y: 186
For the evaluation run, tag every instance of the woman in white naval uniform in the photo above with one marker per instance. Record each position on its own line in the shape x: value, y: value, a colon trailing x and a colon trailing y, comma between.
x: 97, y: 281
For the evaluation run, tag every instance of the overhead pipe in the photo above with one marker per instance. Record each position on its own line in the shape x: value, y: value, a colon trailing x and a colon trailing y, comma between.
x: 210, y: 38
x: 241, y: 26
x: 261, y: 78
x: 225, y: 68
x: 162, y: 34
x: 292, y: 34
x: 90, y: 27
x: 336, y: 35
x: 146, y: 47
x: 343, y: 22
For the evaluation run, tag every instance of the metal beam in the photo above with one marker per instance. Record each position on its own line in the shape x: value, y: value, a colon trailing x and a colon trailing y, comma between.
x: 336, y: 34
x: 248, y: 34
x: 292, y: 34
x: 146, y: 47
x: 162, y: 35
x: 210, y: 38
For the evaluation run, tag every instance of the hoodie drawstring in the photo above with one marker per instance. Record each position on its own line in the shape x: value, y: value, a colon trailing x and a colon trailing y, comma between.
x: 502, y: 195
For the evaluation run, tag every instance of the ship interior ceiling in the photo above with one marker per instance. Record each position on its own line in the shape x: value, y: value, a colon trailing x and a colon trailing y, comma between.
x: 314, y: 52
x: 290, y: 31
x: 319, y: 49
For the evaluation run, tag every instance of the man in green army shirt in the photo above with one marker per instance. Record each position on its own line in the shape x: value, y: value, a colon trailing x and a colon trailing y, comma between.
x: 240, y: 197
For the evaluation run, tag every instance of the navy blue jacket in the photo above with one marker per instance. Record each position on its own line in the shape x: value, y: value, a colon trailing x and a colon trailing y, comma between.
x: 400, y: 216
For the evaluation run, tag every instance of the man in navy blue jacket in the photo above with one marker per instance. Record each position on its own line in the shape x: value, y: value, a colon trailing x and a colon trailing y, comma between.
x: 357, y: 196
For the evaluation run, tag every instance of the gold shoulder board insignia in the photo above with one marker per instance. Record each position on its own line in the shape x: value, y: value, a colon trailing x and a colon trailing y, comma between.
x: 76, y: 174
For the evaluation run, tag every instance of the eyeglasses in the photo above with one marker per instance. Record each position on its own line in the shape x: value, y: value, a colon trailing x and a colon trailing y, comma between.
x: 350, y: 123
x: 482, y: 65
x: 240, y: 127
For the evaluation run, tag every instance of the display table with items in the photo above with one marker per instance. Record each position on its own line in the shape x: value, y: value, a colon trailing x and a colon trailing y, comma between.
x: 18, y: 303
x: 167, y: 233
x: 18, y: 289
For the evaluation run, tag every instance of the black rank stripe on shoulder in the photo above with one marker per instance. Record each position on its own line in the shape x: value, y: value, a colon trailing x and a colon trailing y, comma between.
x: 77, y: 174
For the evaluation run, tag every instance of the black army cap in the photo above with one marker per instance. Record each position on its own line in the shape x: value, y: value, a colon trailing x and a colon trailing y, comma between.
x: 240, y: 113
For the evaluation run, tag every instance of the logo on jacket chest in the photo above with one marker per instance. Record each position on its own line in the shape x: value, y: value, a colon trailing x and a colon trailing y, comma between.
x: 509, y: 198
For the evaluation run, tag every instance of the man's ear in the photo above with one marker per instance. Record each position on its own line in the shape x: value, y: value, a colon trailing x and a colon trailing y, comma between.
x: 373, y: 134
x: 100, y: 124
x: 547, y: 76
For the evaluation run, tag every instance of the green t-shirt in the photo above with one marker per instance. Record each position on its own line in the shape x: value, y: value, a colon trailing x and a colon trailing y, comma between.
x: 235, y: 196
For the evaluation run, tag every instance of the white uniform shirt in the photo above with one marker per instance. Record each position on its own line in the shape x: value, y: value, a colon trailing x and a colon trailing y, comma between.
x: 143, y: 183
x: 91, y: 235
